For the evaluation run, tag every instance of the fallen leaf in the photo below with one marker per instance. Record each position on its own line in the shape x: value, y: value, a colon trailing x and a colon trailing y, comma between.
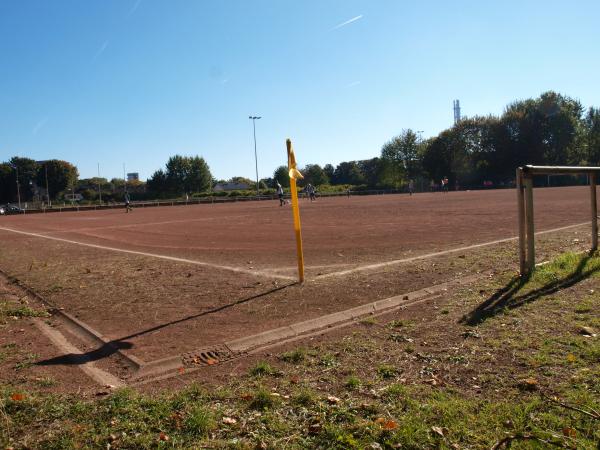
x: 332, y: 399
x: 528, y: 384
x: 181, y: 370
x: 390, y: 425
x: 438, y: 431
x: 17, y: 397
x: 246, y: 396
x: 569, y: 432
x: 163, y: 436
x: 212, y: 362
x: 229, y: 420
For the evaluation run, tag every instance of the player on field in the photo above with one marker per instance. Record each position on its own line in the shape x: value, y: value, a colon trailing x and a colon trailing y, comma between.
x: 280, y: 194
x: 411, y: 187
x: 127, y: 203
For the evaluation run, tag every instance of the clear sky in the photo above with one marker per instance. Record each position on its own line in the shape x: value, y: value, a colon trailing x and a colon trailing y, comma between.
x: 134, y: 81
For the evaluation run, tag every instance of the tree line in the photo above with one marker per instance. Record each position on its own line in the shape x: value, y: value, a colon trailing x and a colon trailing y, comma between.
x: 552, y: 129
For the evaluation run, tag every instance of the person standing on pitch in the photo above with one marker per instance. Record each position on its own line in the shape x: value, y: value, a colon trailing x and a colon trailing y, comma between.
x: 280, y: 194
x: 411, y: 187
x: 127, y: 203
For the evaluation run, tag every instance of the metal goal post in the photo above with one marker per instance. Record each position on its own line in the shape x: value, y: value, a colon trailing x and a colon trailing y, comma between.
x: 524, y: 183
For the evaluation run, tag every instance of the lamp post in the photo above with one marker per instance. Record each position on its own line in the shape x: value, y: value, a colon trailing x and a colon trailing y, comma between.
x: 99, y: 186
x: 254, y: 119
x: 47, y: 189
x: 18, y: 187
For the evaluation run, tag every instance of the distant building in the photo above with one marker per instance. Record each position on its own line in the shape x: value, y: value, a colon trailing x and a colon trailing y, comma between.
x: 133, y: 176
x: 231, y: 187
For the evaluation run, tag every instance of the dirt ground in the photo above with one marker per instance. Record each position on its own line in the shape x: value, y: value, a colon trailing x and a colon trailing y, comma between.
x: 161, y: 308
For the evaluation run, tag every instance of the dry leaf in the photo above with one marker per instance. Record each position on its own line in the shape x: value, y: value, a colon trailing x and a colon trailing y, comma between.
x: 390, y: 425
x: 528, y: 384
x: 211, y: 361
x: 332, y: 399
x: 163, y: 436
x: 569, y: 432
x: 17, y: 397
x: 438, y: 430
x: 229, y: 420
x: 246, y: 396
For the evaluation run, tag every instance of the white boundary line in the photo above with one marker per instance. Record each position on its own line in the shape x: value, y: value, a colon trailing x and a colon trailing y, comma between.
x: 432, y: 255
x: 154, y: 255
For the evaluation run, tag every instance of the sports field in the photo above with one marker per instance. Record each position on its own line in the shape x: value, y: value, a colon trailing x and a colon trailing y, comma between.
x: 165, y: 281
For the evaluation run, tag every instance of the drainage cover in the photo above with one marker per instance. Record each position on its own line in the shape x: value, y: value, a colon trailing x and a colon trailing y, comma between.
x: 208, y: 356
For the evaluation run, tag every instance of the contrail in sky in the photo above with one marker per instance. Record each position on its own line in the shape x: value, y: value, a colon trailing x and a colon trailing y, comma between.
x: 39, y: 125
x: 135, y: 7
x: 100, y: 50
x: 347, y: 22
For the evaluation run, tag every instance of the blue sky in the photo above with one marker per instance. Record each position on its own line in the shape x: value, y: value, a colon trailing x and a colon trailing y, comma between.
x: 134, y: 81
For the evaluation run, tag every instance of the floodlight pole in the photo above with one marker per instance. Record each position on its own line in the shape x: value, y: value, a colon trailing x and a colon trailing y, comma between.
x: 47, y: 189
x: 99, y: 188
x: 18, y: 187
x: 254, y: 119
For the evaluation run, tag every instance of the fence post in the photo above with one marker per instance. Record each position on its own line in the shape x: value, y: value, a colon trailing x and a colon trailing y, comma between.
x: 521, y: 215
x: 594, y: 205
x: 529, y: 223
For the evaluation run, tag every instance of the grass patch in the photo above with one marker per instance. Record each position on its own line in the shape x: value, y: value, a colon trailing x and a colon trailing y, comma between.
x: 295, y: 356
x: 261, y: 369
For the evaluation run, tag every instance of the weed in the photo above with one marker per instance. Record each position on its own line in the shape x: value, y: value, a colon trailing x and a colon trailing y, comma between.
x: 262, y: 368
x: 27, y: 362
x: 328, y: 360
x: 352, y: 383
x: 199, y: 421
x: 262, y: 400
x: 294, y: 356
x: 385, y: 371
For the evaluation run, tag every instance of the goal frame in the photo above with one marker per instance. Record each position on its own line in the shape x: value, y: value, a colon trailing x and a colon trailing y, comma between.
x: 524, y: 182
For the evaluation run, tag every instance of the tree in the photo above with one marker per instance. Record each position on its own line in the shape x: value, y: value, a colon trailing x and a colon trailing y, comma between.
x: 329, y: 172
x: 372, y: 170
x: 157, y: 183
x: 400, y: 157
x: 8, y: 183
x: 27, y: 169
x: 348, y: 173
x: 61, y: 176
x: 281, y: 175
x: 314, y: 174
x: 198, y: 177
x: 592, y: 137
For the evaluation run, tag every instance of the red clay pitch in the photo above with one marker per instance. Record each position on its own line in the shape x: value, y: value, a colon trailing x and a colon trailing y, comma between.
x: 164, y: 307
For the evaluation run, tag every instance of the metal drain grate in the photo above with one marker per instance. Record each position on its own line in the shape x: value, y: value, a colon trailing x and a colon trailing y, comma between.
x: 208, y: 356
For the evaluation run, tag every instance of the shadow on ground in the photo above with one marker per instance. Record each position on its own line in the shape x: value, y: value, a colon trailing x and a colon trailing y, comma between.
x: 114, y: 346
x: 507, y: 298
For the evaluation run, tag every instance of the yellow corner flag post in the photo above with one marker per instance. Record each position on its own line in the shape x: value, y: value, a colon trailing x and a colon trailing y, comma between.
x: 294, y: 175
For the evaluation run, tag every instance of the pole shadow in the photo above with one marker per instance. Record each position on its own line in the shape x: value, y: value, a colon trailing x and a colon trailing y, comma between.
x: 506, y: 298
x: 116, y: 345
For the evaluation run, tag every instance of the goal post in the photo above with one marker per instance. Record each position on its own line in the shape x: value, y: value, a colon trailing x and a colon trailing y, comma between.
x: 524, y: 183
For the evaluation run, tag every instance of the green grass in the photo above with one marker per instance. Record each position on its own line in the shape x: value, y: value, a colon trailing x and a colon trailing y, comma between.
x: 362, y: 402
x: 262, y: 368
x: 295, y: 356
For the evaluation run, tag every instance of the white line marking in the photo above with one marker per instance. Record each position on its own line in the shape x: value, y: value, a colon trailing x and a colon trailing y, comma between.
x: 154, y: 255
x: 432, y: 255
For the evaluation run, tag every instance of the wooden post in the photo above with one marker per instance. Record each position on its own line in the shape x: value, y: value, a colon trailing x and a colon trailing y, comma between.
x: 594, y: 212
x: 521, y: 214
x: 529, y: 224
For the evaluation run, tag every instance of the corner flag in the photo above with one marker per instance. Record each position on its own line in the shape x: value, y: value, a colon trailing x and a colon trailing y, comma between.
x: 295, y: 174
